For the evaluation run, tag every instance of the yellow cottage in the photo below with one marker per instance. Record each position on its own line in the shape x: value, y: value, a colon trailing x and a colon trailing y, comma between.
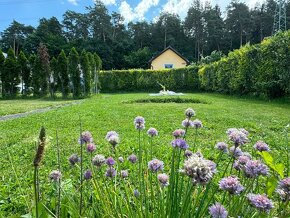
x: 168, y: 58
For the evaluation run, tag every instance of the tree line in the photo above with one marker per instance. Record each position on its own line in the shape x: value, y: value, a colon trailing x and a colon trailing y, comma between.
x: 40, y: 75
x: 122, y: 46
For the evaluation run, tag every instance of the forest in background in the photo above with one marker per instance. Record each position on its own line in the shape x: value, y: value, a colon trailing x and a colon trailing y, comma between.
x: 125, y: 46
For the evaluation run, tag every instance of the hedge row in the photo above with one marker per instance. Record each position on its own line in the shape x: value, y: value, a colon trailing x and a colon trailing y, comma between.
x: 185, y: 79
x: 262, y: 69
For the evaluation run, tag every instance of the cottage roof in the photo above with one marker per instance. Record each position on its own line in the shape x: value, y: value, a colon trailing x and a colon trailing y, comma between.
x: 172, y: 49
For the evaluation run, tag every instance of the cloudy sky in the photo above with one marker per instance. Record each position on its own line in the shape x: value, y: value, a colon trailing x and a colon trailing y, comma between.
x: 30, y: 11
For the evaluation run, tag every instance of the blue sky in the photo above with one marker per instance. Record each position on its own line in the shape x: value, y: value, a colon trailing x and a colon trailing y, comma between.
x: 30, y: 11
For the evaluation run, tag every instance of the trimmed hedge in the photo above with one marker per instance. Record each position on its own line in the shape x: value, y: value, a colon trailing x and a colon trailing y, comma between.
x: 184, y: 79
x: 262, y: 69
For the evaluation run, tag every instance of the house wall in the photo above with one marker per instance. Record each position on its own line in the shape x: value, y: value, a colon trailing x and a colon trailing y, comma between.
x: 168, y: 57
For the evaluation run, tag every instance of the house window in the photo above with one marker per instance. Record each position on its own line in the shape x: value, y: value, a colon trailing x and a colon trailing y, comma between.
x: 168, y: 65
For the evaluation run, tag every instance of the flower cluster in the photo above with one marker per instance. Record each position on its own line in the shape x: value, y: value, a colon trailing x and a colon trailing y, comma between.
x: 238, y: 136
x: 261, y: 146
x: 163, y: 179
x: 155, y: 165
x: 86, y: 137
x: 55, y: 175
x: 240, y: 163
x: 222, y: 147
x: 196, y: 124
x: 255, y: 168
x: 113, y: 138
x: 189, y: 112
x: 218, y: 211
x: 99, y: 160
x: 179, y: 143
x: 198, y: 169
x: 179, y: 133
x: 231, y: 184
x: 139, y: 123
x: 152, y: 132
x: 261, y: 202
x: 73, y: 159
x: 283, y: 189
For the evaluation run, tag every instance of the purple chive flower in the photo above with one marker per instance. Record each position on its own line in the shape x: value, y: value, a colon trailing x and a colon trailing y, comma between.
x: 236, y: 151
x: 188, y: 153
x: 218, y: 211
x: 189, y: 112
x: 139, y: 123
x: 212, y: 166
x: 237, y: 136
x: 231, y: 184
x: 155, y: 165
x: 86, y: 137
x: 111, y: 172
x: 114, y: 140
x: 187, y: 123
x: 179, y: 133
x: 222, y: 147
x: 136, y: 193
x: 197, y: 124
x: 88, y: 175
x: 132, y: 158
x: 283, y: 189
x: 152, y: 132
x: 99, y: 160
x: 261, y: 202
x: 261, y: 146
x: 199, y: 154
x: 91, y: 147
x: 110, y: 161
x: 55, y: 175
x: 240, y: 163
x: 111, y: 133
x: 179, y: 143
x: 121, y: 159
x: 163, y: 179
x: 255, y: 168
x: 73, y: 159
x: 244, y: 131
x: 198, y: 169
x: 124, y: 173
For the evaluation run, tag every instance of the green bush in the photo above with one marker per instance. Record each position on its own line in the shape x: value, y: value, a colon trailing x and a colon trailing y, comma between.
x: 184, y: 79
x: 262, y: 69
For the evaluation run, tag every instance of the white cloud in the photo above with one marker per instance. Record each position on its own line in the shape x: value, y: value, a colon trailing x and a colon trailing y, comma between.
x: 109, y: 2
x: 74, y: 2
x: 253, y: 3
x: 179, y: 7
x: 138, y: 12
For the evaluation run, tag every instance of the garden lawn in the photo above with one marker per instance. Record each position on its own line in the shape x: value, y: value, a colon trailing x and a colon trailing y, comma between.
x: 24, y: 105
x: 263, y: 119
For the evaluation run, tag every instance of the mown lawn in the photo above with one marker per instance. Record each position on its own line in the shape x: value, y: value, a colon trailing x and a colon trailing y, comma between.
x: 263, y: 119
x: 24, y: 105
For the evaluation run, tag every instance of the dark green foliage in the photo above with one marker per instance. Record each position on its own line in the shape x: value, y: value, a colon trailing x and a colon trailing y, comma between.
x: 55, y: 81
x: 184, y: 79
x: 24, y: 73
x: 139, y: 58
x: 62, y: 71
x: 10, y: 75
x: 44, y: 69
x: 36, y: 74
x: 2, y: 60
x: 87, y: 76
x: 262, y: 69
x: 74, y: 72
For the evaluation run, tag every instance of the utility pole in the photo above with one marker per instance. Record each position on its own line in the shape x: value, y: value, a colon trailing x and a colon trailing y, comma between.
x: 280, y: 16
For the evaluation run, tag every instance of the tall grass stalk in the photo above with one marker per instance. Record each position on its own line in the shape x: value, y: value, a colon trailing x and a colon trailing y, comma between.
x: 81, y: 171
x: 59, y: 181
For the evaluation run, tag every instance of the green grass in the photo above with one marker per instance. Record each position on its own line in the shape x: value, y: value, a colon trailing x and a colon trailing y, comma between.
x: 100, y: 114
x: 24, y: 105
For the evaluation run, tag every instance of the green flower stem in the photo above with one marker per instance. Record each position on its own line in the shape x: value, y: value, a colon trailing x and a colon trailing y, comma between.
x: 36, y: 197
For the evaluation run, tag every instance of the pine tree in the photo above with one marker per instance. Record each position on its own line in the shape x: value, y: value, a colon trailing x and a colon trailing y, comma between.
x: 24, y: 72
x: 10, y: 78
x: 62, y: 70
x: 74, y: 72
x: 2, y: 60
x: 85, y: 66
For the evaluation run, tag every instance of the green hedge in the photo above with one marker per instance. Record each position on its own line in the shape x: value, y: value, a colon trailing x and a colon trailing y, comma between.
x: 184, y: 79
x: 262, y: 69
